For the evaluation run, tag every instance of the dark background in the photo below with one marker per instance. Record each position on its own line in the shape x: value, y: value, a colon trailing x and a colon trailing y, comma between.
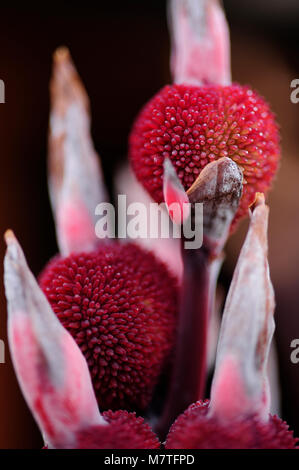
x: 121, y: 50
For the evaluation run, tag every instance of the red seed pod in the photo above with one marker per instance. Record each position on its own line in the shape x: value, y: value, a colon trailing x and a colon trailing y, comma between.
x: 193, y: 126
x: 193, y: 429
x: 119, y: 304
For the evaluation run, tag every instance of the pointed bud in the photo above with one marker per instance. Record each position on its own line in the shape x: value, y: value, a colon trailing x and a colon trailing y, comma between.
x: 175, y: 197
x: 50, y: 367
x: 75, y: 177
x: 200, y: 42
x: 219, y: 188
x: 240, y: 386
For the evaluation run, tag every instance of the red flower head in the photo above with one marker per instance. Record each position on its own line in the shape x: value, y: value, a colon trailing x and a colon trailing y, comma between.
x: 194, y: 125
x: 119, y: 304
x: 125, y: 431
x: 195, y: 430
x: 53, y: 373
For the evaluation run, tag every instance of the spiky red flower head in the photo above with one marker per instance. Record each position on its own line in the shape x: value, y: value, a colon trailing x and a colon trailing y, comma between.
x: 125, y: 431
x: 193, y: 429
x: 119, y: 304
x: 193, y: 126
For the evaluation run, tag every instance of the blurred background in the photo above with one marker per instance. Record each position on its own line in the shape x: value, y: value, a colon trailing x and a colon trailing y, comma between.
x: 121, y: 50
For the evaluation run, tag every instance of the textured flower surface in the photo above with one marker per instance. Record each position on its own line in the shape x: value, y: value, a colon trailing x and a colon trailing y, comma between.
x: 195, y: 430
x: 119, y: 304
x: 125, y: 431
x: 193, y: 126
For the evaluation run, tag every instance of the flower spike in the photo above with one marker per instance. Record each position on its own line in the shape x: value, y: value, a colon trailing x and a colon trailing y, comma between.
x: 51, y: 369
x: 200, y: 42
x: 119, y: 303
x: 240, y: 385
x: 75, y: 178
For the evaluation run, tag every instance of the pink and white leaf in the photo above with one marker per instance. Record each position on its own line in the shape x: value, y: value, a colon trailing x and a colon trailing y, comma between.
x: 50, y: 367
x: 200, y: 47
x: 240, y: 386
x: 75, y: 177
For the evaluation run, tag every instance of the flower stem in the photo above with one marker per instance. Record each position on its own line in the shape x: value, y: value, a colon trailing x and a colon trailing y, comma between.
x: 197, y: 301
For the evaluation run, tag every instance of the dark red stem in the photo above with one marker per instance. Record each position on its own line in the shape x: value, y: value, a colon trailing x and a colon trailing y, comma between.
x: 189, y: 370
